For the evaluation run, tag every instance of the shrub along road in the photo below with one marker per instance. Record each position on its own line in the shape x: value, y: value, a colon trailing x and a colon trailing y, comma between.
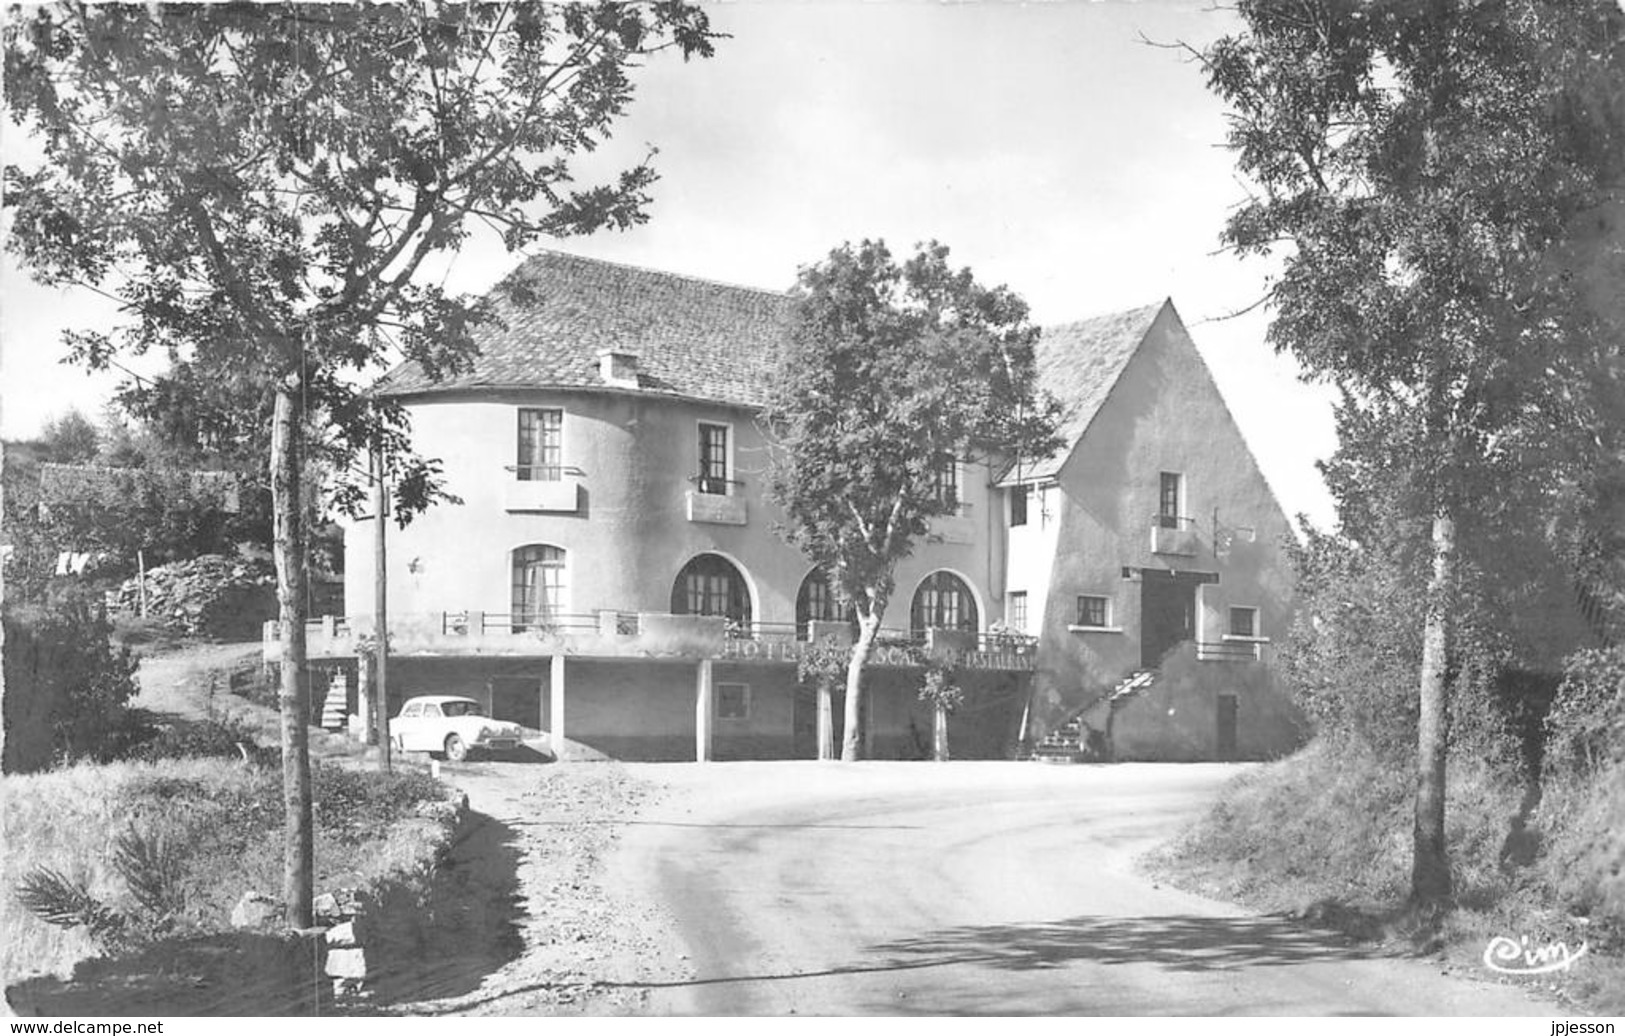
x: 977, y: 888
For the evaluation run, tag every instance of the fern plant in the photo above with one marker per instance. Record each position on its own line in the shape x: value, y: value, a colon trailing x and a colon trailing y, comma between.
x: 151, y: 871
x: 58, y: 900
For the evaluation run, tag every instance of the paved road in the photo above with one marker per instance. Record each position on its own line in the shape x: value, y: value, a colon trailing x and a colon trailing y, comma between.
x: 979, y: 888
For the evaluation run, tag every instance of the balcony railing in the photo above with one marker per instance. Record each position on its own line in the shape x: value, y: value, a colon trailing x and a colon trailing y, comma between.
x: 543, y: 487
x: 543, y: 472
x: 1228, y: 651
x: 619, y: 634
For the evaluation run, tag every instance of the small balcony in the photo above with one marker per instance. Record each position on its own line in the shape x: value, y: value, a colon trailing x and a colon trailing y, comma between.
x: 532, y: 488
x: 1231, y: 649
x: 952, y: 528
x: 717, y: 501
x: 1174, y: 535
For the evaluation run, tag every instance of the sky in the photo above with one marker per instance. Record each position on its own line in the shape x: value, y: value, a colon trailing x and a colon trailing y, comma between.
x: 1049, y: 145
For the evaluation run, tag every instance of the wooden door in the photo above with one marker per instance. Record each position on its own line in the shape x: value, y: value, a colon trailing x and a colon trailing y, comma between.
x: 1227, y: 727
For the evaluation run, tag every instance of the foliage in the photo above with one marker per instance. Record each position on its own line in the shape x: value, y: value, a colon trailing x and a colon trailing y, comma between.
x: 893, y: 370
x: 1423, y: 168
x: 260, y: 185
x: 206, y: 739
x: 1586, y: 724
x: 939, y: 689
x: 355, y: 806
x: 61, y: 667
x: 211, y: 825
x: 1355, y: 644
x: 70, y: 438
x: 150, y: 869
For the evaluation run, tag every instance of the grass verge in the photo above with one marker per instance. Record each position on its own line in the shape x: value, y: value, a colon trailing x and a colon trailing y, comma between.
x: 218, y: 826
x: 1324, y: 836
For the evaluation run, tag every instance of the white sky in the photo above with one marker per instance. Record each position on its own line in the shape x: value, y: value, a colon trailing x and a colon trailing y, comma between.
x: 1044, y: 143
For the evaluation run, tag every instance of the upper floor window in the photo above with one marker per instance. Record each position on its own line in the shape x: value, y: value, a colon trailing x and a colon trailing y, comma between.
x: 944, y: 602
x: 1018, y: 505
x: 714, y: 473
x: 538, y: 584
x: 541, y: 444
x: 1170, y: 499
x: 710, y: 584
x: 1243, y: 622
x: 945, y: 482
x: 1017, y: 600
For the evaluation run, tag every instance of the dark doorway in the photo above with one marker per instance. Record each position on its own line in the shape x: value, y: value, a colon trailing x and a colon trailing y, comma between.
x: 520, y: 699
x: 1227, y: 727
x: 1167, y: 613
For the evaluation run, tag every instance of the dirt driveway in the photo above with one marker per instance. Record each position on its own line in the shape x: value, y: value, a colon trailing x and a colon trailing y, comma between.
x: 895, y: 888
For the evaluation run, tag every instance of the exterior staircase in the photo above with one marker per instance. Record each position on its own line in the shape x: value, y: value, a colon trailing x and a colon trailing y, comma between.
x: 1066, y: 743
x: 336, y: 707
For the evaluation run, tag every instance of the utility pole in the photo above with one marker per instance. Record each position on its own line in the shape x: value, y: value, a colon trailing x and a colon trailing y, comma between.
x: 380, y: 583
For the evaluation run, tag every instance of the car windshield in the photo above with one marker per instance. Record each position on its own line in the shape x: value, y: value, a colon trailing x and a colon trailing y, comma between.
x: 461, y: 708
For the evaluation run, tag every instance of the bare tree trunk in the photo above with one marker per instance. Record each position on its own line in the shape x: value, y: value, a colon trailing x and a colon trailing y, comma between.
x: 826, y: 717
x: 852, y: 741
x: 1430, y: 868
x: 298, y: 840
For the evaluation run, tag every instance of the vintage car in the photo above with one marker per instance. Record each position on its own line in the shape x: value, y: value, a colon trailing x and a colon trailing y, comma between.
x: 447, y: 725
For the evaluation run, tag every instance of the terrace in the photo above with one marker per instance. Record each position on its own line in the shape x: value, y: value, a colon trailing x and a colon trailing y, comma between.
x: 612, y: 634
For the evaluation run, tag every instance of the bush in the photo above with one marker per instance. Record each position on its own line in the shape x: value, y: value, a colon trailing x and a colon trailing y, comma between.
x: 207, y: 739
x: 67, y: 689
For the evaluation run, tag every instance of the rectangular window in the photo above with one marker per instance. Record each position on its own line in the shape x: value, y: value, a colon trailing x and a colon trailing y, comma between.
x: 1018, y: 611
x: 1168, y: 500
x: 1018, y: 505
x: 1244, y: 622
x: 945, y: 482
x: 1092, y: 611
x: 713, y: 459
x: 541, y: 444
x: 732, y: 701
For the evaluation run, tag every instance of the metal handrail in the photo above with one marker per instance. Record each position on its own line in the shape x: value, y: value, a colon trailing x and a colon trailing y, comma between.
x: 551, y: 472
x: 1227, y: 651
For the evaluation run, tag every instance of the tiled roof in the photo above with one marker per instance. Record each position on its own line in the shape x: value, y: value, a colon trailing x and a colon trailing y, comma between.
x: 1078, y: 364
x: 702, y: 339
x: 692, y: 337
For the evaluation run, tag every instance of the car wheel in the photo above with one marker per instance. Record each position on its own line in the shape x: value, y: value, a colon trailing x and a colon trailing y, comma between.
x: 456, y: 751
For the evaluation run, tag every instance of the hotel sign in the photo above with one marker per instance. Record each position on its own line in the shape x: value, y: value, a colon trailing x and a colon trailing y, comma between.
x: 884, y: 655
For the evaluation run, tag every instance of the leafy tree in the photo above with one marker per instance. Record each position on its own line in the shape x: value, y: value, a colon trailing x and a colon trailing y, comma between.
x: 1421, y: 166
x: 70, y: 439
x: 892, y: 371
x: 260, y: 185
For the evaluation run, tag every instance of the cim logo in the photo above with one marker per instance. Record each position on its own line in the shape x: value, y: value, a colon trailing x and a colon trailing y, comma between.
x: 1517, y: 957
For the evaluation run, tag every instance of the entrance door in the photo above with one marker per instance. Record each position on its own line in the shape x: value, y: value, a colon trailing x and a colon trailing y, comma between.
x: 1227, y: 727
x: 1167, y: 615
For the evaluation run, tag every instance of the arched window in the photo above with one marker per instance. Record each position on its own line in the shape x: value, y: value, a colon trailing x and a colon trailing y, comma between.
x: 943, y: 602
x: 711, y: 585
x: 538, y: 585
x: 816, y: 602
